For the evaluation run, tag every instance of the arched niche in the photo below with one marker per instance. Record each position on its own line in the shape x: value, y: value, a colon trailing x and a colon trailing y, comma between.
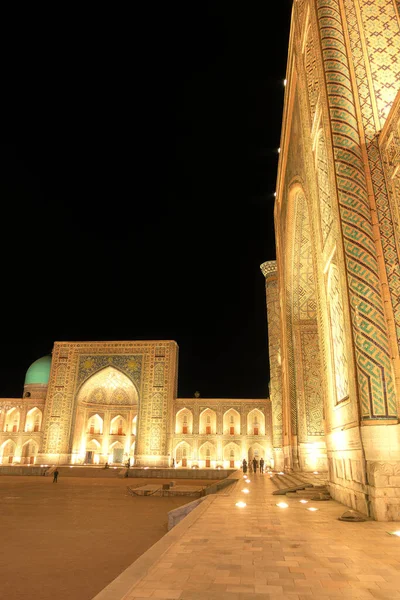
x: 7, y: 452
x: 118, y: 425
x: 29, y: 452
x: 94, y: 425
x: 232, y: 457
x: 109, y: 386
x: 303, y: 360
x: 231, y: 422
x: 12, y: 420
x: 208, y: 422
x: 255, y: 422
x: 207, y: 455
x: 184, y: 421
x: 183, y: 454
x: 33, y: 420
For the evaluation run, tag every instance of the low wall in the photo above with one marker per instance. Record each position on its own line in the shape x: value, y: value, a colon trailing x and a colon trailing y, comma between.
x: 181, y: 473
x: 23, y: 470
x: 176, y: 515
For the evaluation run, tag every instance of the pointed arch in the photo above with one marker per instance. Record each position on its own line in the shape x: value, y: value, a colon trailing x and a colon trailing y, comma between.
x: 12, y: 420
x: 33, y: 420
x: 118, y: 425
x: 95, y: 424
x: 305, y: 392
x: 184, y: 421
x: 7, y: 452
x: 208, y: 422
x: 207, y: 455
x: 256, y: 422
x: 183, y: 454
x: 231, y: 422
x: 29, y: 452
x: 108, y: 386
x: 232, y: 455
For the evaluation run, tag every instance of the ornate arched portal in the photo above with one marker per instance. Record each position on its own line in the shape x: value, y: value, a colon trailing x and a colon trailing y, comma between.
x: 106, y: 404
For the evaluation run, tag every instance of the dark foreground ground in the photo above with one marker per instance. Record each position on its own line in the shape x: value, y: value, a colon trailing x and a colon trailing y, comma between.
x: 69, y: 540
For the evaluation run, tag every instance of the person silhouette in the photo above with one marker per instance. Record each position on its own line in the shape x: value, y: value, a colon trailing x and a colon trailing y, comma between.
x: 55, y: 476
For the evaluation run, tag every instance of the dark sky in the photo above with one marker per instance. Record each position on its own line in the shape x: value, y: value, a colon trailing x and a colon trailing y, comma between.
x: 142, y: 207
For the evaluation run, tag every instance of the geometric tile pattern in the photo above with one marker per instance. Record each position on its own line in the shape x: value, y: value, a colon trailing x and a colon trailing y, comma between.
x: 324, y: 188
x: 390, y: 150
x: 304, y: 298
x: 311, y: 372
x: 376, y: 28
x: 274, y: 346
x: 311, y: 73
x: 375, y: 383
x: 336, y: 312
x: 145, y: 364
x: 382, y: 39
x: 130, y: 365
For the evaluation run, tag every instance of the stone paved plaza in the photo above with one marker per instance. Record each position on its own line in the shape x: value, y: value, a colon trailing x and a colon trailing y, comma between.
x: 223, y: 552
x: 68, y: 540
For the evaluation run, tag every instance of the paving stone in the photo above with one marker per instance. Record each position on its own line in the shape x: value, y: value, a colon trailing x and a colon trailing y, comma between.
x: 263, y: 551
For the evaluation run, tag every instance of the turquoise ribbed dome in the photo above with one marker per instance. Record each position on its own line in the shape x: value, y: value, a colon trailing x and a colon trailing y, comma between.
x: 39, y: 371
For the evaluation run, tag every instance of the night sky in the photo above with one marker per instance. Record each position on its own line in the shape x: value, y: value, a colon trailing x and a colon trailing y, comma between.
x: 142, y: 207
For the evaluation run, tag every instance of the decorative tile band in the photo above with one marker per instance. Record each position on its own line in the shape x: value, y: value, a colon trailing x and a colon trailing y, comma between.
x: 375, y: 381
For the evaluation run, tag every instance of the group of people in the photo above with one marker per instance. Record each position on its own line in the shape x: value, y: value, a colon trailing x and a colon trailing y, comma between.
x: 255, y: 464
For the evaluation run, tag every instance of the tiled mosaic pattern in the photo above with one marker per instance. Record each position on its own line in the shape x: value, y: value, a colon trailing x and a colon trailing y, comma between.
x: 390, y: 152
x: 311, y: 376
x: 324, y: 188
x: 274, y: 346
x: 145, y: 364
x: 371, y: 336
x: 336, y: 313
x: 377, y: 71
x: 304, y: 297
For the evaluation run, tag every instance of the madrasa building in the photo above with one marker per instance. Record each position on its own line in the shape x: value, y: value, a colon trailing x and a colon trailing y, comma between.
x: 333, y: 300
x: 333, y: 293
x: 110, y: 402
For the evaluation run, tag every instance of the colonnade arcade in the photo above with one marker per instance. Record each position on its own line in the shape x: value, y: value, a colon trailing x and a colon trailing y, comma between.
x: 220, y: 437
x: 19, y: 423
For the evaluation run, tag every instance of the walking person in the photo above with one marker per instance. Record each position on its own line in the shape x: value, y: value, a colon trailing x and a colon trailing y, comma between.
x: 255, y: 465
x: 55, y: 476
x: 244, y: 465
x: 261, y: 465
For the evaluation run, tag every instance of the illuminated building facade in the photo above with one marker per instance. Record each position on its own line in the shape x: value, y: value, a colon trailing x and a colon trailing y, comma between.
x: 333, y: 294
x: 107, y: 402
